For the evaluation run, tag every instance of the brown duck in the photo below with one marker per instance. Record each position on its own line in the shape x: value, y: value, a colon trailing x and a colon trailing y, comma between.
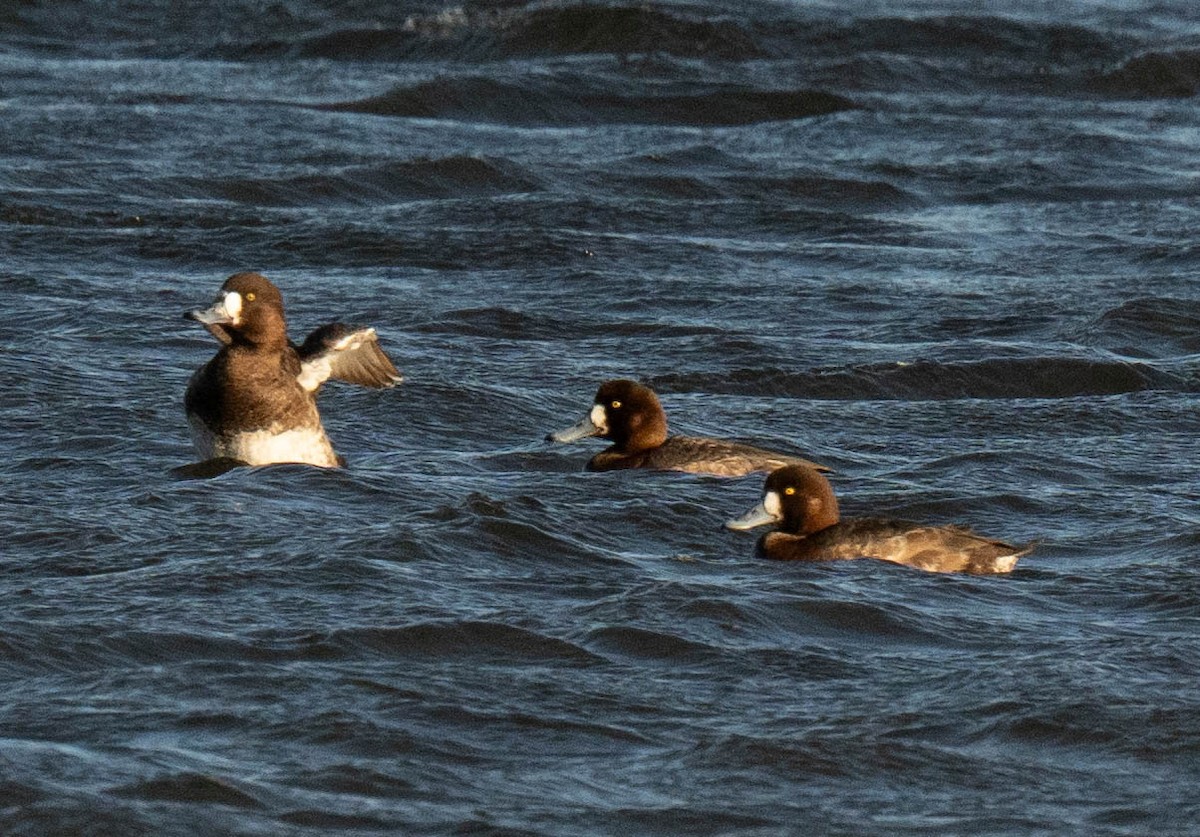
x: 630, y: 416
x: 255, y: 402
x: 802, y: 502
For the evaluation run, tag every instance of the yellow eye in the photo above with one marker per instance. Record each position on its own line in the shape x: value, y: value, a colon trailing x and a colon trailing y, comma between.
x: 250, y: 297
x: 616, y: 405
x: 789, y: 491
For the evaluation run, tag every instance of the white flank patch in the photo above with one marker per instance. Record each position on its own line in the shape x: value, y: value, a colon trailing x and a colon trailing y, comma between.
x: 266, y: 447
x: 599, y: 417
x: 1006, y: 563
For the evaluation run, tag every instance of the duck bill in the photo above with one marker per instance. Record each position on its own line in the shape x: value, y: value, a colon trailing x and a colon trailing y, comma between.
x: 223, y: 312
x: 582, y: 429
x: 757, y: 516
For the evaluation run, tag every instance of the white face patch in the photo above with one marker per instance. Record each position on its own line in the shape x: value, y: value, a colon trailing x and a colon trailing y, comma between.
x: 233, y: 305
x: 772, y: 505
x: 599, y: 417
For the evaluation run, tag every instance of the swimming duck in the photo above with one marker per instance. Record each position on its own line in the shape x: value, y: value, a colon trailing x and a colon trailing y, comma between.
x: 630, y: 416
x: 255, y: 401
x: 802, y: 502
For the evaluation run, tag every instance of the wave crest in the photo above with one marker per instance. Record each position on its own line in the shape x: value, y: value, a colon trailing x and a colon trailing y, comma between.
x: 457, y: 176
x: 478, y: 99
x: 1037, y: 377
x: 1155, y: 75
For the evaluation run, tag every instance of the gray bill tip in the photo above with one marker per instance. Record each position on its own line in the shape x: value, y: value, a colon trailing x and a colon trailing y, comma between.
x: 580, y: 430
x: 757, y: 516
x: 217, y: 315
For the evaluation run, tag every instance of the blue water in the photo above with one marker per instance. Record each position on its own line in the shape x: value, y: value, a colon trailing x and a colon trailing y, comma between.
x: 946, y: 248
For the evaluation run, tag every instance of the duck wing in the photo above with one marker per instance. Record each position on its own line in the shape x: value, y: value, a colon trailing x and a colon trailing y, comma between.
x: 702, y: 455
x: 344, y: 354
x: 946, y: 549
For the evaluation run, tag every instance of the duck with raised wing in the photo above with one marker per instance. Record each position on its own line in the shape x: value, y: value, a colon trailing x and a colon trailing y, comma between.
x: 802, y: 503
x: 255, y: 401
x: 629, y: 415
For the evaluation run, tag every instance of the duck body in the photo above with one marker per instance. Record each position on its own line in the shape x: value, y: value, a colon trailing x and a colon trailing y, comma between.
x: 255, y: 400
x: 630, y: 415
x: 802, y: 503
x: 694, y: 455
x: 945, y: 549
x: 247, y: 404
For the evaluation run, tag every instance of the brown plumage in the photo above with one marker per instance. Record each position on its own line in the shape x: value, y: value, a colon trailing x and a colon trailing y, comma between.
x: 802, y: 502
x: 630, y: 416
x: 255, y: 402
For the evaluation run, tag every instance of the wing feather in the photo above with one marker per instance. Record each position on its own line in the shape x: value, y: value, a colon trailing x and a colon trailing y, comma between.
x: 335, y: 351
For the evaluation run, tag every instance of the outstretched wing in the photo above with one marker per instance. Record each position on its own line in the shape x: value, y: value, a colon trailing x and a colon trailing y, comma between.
x: 335, y: 351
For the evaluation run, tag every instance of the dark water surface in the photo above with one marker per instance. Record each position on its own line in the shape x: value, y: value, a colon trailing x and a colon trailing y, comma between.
x: 949, y: 249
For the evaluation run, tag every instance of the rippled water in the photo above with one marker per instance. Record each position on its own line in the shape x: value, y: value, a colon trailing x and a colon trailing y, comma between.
x: 950, y: 253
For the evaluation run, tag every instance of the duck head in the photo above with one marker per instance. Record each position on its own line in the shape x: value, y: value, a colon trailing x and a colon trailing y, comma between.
x: 797, y: 498
x: 626, y: 413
